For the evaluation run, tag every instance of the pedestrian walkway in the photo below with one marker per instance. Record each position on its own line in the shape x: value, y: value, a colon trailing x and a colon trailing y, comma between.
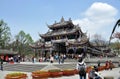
x: 114, y: 73
x: 30, y: 67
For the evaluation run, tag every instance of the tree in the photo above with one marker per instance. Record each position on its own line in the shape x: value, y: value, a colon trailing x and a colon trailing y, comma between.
x: 115, y: 46
x: 117, y: 35
x: 22, y: 42
x: 5, y: 34
x: 98, y: 40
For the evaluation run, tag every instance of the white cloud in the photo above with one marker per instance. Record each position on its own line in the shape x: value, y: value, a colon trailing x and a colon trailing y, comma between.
x: 97, y: 17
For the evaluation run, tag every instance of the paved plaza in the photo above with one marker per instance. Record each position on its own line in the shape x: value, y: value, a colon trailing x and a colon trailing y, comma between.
x: 114, y: 73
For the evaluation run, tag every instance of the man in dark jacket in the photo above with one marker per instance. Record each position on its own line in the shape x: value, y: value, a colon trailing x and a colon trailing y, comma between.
x: 81, y: 67
x: 1, y: 63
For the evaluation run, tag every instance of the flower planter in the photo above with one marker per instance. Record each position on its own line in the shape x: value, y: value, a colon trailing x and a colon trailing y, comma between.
x: 37, y: 77
x: 55, y: 73
x: 16, y: 76
x: 68, y: 72
x: 40, y: 75
x: 76, y: 71
x: 101, y: 68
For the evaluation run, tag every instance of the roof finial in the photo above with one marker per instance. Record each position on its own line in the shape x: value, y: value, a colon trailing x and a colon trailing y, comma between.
x: 70, y: 19
x: 77, y: 24
x: 46, y: 24
x: 62, y: 19
x: 55, y: 22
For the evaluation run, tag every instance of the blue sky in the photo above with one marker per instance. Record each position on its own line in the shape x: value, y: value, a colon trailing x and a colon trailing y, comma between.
x: 31, y: 16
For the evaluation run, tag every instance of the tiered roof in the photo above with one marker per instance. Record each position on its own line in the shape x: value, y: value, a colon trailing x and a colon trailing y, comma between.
x: 62, y: 24
x: 57, y: 28
x: 37, y: 45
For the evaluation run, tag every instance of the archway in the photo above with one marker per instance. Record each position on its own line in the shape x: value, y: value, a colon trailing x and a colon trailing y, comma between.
x: 70, y: 51
x: 79, y: 51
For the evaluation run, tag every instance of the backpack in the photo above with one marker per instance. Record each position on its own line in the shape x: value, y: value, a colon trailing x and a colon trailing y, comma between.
x: 82, y: 70
x: 91, y: 74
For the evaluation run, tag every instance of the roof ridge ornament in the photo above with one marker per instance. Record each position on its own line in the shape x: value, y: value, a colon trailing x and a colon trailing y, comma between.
x: 62, y: 19
x: 77, y: 24
x: 46, y: 24
x: 70, y: 20
x: 55, y: 22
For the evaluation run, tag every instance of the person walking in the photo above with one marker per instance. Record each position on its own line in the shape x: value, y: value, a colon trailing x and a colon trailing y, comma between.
x: 51, y: 59
x: 111, y: 65
x: 98, y: 63
x: 107, y: 65
x: 81, y: 67
x: 93, y: 74
x: 1, y: 63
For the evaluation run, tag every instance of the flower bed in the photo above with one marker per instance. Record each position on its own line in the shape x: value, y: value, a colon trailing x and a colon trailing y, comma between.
x: 40, y: 75
x: 68, y: 72
x: 55, y: 73
x: 16, y: 75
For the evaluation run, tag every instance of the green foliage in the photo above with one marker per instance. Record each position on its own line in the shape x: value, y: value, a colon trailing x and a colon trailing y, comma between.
x: 98, y: 40
x: 16, y: 74
x: 22, y: 42
x: 115, y: 46
x: 117, y: 35
x: 5, y: 34
x: 55, y: 70
x: 39, y: 72
x: 24, y: 38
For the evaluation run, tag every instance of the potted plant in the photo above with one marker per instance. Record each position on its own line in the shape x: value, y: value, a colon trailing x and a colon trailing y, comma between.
x: 68, y: 72
x: 40, y: 74
x: 16, y: 75
x: 55, y: 73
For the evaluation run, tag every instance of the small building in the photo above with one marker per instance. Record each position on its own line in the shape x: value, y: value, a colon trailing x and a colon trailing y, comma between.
x: 9, y: 53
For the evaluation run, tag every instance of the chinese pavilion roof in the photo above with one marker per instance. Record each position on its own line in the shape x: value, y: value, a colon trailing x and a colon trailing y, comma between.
x: 62, y: 28
x: 60, y: 32
x: 37, y: 44
x: 62, y: 23
x: 84, y: 40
